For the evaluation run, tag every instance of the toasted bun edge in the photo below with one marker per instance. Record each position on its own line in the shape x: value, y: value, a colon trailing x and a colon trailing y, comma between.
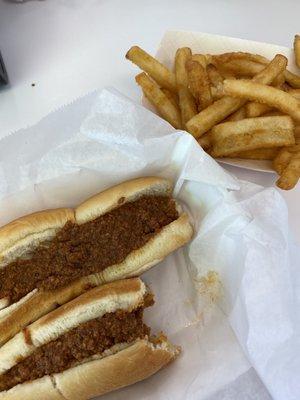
x: 23, y: 234
x: 129, y: 365
x: 115, y: 196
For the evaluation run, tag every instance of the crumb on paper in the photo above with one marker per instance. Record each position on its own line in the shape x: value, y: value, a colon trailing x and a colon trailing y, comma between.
x: 198, y: 319
x: 188, y: 302
x: 209, y: 285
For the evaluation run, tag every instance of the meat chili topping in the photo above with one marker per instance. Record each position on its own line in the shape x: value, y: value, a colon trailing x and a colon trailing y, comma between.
x: 80, y: 250
x: 80, y: 343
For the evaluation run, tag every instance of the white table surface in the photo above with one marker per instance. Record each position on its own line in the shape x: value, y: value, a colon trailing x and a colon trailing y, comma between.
x: 70, y: 47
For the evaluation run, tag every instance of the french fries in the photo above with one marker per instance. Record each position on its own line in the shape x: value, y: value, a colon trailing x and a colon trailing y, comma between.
x: 216, y: 82
x: 256, y: 154
x: 284, y: 156
x: 187, y: 102
x: 267, y: 75
x: 182, y: 56
x: 254, y: 109
x: 224, y: 58
x: 269, y: 95
x: 187, y: 105
x: 172, y: 96
x: 213, y: 114
x: 227, y: 105
x: 238, y: 115
x: 199, y: 84
x: 205, y: 141
x: 242, y: 68
x: 281, y: 161
x: 295, y: 93
x: 279, y: 81
x: 290, y: 173
x: 216, y: 79
x: 161, y: 74
x: 292, y: 79
x: 236, y: 104
x: 252, y: 133
x: 157, y: 97
x: 297, y: 50
x: 201, y: 59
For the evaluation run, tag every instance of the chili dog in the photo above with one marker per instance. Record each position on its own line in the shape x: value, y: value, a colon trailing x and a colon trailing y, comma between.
x: 94, y: 344
x: 52, y: 256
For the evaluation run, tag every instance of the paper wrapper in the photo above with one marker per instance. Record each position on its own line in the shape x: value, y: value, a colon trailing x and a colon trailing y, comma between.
x: 206, y: 43
x: 233, y: 324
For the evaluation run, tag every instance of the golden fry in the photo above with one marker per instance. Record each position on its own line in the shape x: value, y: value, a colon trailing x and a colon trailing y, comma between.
x: 242, y: 68
x: 292, y: 79
x: 187, y: 103
x: 256, y: 154
x: 214, y: 75
x: 295, y: 93
x: 274, y: 113
x: 213, y: 114
x: 284, y: 156
x: 238, y: 55
x: 252, y: 133
x: 281, y: 161
x: 279, y: 81
x: 216, y: 81
x: 199, y: 84
x: 275, y: 68
x: 238, y: 115
x: 201, y: 59
x: 297, y: 50
x: 182, y: 56
x: 269, y: 95
x: 154, y: 94
x: 271, y: 70
x: 227, y: 105
x: 295, y: 148
x: 172, y: 96
x: 257, y: 109
x: 297, y: 131
x: 157, y: 71
x: 252, y: 59
x: 205, y: 141
x: 228, y: 75
x: 291, y: 174
x: 216, y: 93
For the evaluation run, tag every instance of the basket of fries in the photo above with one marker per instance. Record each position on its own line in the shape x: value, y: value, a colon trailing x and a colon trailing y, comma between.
x: 239, y: 99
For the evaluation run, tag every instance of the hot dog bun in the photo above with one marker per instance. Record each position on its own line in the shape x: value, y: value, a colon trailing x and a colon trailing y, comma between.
x: 120, y: 194
x: 21, y: 236
x: 118, y: 366
x: 126, y: 294
x: 129, y: 365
